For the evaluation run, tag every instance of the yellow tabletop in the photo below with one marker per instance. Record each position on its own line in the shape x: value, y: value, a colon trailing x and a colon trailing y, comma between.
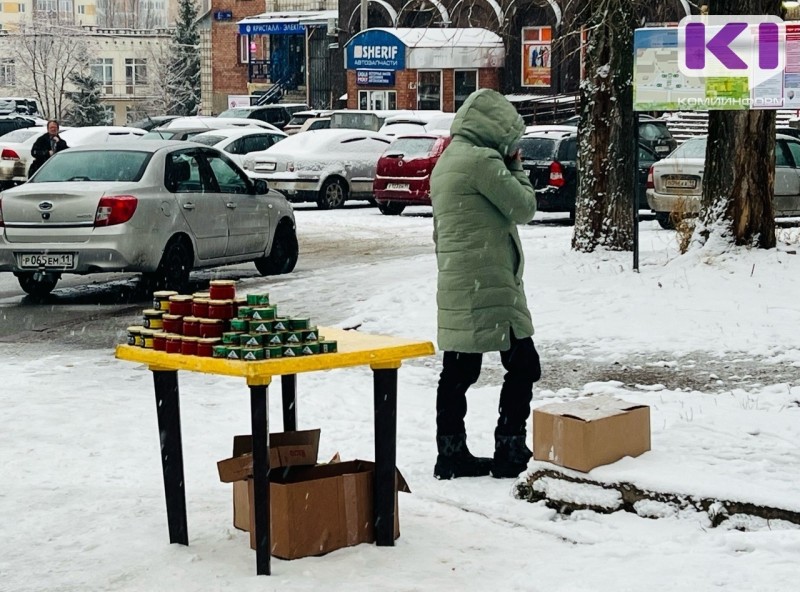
x: 354, y: 349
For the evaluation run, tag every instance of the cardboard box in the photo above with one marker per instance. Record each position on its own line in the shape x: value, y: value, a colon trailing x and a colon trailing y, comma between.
x: 315, y: 510
x: 590, y: 432
x: 285, y: 449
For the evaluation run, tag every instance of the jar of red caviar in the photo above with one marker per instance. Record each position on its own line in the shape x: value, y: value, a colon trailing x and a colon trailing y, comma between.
x: 200, y: 307
x: 173, y: 345
x: 191, y: 326
x: 220, y: 309
x: 172, y: 323
x: 211, y: 328
x: 205, y: 346
x: 160, y: 341
x: 222, y: 289
x: 189, y: 346
x: 180, y: 305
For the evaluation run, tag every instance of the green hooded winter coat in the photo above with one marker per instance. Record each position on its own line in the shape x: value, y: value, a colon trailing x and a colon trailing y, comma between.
x: 478, y: 200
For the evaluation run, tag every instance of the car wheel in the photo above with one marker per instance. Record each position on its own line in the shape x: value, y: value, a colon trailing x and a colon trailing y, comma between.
x: 391, y: 208
x: 664, y: 219
x: 283, y: 256
x: 38, y: 284
x: 175, y: 266
x: 332, y: 195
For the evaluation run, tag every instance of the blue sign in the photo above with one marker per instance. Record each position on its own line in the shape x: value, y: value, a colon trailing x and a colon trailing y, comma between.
x: 271, y: 29
x: 374, y: 78
x: 376, y: 50
x: 223, y: 15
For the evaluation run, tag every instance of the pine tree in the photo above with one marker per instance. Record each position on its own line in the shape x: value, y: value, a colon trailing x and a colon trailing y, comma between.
x: 86, y: 108
x: 184, y: 70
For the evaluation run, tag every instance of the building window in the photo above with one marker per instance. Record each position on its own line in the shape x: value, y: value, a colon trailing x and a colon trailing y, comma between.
x: 7, y: 73
x: 465, y: 83
x: 103, y: 70
x: 377, y: 100
x: 65, y: 6
x: 135, y: 74
x: 20, y: 8
x: 81, y: 9
x: 46, y: 5
x: 244, y: 49
x: 429, y: 89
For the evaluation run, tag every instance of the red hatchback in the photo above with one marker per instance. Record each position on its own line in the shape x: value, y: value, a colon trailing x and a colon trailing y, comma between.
x: 404, y: 171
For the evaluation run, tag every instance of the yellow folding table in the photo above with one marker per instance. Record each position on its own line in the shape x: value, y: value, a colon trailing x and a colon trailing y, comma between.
x: 383, y: 354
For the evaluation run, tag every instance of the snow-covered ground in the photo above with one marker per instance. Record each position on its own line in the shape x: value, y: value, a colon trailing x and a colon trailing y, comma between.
x: 81, y: 495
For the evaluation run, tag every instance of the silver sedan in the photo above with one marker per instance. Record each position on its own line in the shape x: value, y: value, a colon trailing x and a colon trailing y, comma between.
x: 161, y: 208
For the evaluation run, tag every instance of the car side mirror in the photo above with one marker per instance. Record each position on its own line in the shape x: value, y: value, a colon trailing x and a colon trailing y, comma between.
x: 261, y: 187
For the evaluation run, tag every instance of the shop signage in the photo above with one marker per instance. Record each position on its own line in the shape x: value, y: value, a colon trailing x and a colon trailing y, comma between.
x: 375, y: 49
x: 271, y: 29
x: 375, y: 78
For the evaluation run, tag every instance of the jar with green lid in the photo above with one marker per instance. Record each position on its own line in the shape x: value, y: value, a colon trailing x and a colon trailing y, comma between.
x: 264, y: 313
x: 240, y: 325
x: 251, y: 340
x: 220, y: 351
x: 231, y: 337
x: 234, y: 352
x: 298, y: 323
x: 327, y: 346
x: 252, y: 354
x: 292, y: 351
x: 245, y: 312
x: 260, y: 326
x: 273, y: 351
x: 258, y: 299
x: 292, y: 338
x: 310, y: 348
x: 274, y: 339
x: 280, y: 324
x: 310, y: 334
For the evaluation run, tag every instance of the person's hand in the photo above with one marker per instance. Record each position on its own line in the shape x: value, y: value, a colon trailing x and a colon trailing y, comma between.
x: 517, y: 155
x: 50, y: 152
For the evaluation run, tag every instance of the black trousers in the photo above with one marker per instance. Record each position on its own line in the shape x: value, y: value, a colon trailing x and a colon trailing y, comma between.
x: 461, y: 370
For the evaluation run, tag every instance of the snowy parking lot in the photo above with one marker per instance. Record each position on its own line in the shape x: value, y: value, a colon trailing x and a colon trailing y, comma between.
x: 708, y: 340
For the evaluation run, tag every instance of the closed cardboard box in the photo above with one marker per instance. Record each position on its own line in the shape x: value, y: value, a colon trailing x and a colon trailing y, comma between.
x: 590, y: 432
x: 285, y: 449
x: 315, y: 510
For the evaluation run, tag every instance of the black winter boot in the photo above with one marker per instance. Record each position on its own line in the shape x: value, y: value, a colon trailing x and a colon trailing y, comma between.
x: 455, y: 459
x: 511, y: 456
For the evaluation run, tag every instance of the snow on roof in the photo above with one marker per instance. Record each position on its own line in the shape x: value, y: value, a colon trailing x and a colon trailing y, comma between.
x: 427, y: 37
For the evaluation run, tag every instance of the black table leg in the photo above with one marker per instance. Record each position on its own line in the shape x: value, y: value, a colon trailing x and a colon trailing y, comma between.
x: 169, y: 426
x: 385, y: 392
x: 259, y: 417
x: 289, y: 396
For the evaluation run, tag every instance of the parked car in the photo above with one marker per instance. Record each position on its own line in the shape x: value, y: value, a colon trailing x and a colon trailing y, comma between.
x: 403, y: 173
x: 9, y: 123
x: 301, y: 117
x: 99, y: 134
x: 675, y: 183
x: 238, y: 142
x: 216, y: 123
x: 15, y: 155
x: 20, y: 105
x: 420, y: 122
x: 552, y: 164
x: 327, y: 166
x: 315, y: 123
x: 161, y: 133
x: 278, y: 115
x: 149, y: 123
x: 653, y: 133
x: 159, y: 208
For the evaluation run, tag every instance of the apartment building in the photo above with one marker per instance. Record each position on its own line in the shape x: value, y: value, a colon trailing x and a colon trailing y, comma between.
x: 73, y: 12
x: 121, y: 14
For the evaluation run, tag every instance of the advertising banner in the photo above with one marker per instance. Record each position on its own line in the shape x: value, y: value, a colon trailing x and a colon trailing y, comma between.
x: 536, y: 56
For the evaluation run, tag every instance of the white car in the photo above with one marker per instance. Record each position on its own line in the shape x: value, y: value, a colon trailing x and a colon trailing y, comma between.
x: 237, y: 142
x: 99, y: 134
x: 327, y: 166
x: 216, y: 123
x: 299, y: 118
x: 675, y: 183
x: 15, y: 155
x: 420, y: 122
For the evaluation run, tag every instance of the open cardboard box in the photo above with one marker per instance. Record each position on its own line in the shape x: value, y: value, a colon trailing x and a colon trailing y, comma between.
x: 590, y: 432
x: 315, y: 510
x: 285, y: 449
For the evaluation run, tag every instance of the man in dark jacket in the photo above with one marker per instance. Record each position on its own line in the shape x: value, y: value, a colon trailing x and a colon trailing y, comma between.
x: 45, y: 146
x: 480, y: 193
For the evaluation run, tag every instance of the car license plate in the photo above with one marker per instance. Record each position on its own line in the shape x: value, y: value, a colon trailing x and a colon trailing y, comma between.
x: 265, y: 166
x: 663, y: 149
x: 47, y: 260
x: 680, y: 183
x: 397, y: 186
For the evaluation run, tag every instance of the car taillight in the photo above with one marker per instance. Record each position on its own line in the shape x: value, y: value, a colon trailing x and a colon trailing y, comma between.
x: 8, y: 154
x: 556, y: 175
x: 117, y: 209
x: 650, y: 183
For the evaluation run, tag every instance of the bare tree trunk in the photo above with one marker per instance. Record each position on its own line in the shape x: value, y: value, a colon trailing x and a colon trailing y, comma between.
x: 606, y: 149
x: 738, y: 184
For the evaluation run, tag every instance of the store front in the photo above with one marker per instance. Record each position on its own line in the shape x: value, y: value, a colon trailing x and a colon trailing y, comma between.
x: 420, y: 68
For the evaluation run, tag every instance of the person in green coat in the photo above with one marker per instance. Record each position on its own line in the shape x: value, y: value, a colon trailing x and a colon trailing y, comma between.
x: 480, y: 193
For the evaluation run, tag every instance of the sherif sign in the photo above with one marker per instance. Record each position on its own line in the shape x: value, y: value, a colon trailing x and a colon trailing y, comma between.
x: 376, y: 50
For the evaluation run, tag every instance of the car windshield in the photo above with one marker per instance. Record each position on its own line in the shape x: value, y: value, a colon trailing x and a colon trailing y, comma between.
x: 694, y: 148
x: 20, y: 135
x: 93, y: 165
x: 208, y: 140
x: 537, y: 148
x: 300, y: 119
x: 244, y: 113
x: 159, y: 135
x: 412, y: 147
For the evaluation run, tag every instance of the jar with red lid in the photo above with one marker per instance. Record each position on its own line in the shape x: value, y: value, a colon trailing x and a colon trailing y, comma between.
x: 160, y: 341
x: 211, y: 328
x: 189, y: 346
x: 180, y: 305
x: 172, y: 323
x: 173, y: 343
x: 205, y: 346
x: 191, y: 326
x: 222, y: 289
x: 220, y: 309
x: 200, y: 308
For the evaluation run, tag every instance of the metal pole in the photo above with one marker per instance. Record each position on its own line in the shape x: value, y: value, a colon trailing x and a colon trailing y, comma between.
x: 364, y: 15
x: 635, y: 191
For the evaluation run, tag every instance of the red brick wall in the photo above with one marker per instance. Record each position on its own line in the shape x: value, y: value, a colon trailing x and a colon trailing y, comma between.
x: 229, y: 77
x: 407, y: 97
